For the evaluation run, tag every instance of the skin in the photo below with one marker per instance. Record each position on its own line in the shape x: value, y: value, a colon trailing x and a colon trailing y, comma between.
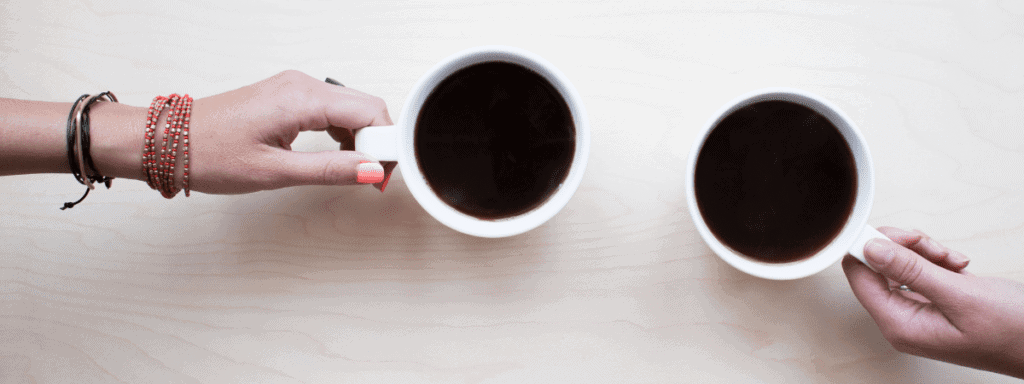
x: 241, y: 140
x: 950, y: 315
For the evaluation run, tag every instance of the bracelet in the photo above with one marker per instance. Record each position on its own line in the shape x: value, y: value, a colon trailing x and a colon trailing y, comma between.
x: 162, y: 183
x: 78, y: 141
x: 188, y: 116
x: 149, y: 148
x: 71, y: 141
x: 160, y: 172
x: 86, y: 151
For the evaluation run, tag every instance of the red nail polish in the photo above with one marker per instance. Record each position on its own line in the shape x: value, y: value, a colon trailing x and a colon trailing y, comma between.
x: 369, y: 173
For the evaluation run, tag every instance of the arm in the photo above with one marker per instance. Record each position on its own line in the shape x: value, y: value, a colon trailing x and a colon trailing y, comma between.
x: 241, y: 139
x: 32, y: 137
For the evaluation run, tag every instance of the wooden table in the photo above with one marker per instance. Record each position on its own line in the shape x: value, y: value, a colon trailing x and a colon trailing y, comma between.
x: 344, y: 284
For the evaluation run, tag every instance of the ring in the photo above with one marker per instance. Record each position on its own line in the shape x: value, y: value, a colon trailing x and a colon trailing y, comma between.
x: 905, y: 288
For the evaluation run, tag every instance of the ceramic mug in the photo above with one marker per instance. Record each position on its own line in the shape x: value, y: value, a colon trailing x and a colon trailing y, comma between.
x: 395, y: 143
x: 852, y: 236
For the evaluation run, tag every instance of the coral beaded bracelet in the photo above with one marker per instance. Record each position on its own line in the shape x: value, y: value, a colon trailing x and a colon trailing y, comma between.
x: 160, y: 171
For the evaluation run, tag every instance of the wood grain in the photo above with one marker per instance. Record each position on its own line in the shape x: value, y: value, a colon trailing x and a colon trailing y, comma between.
x: 337, y: 284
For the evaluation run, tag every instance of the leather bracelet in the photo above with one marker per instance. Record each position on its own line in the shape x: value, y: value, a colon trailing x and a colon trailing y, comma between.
x: 78, y: 142
x: 94, y: 174
x: 72, y: 138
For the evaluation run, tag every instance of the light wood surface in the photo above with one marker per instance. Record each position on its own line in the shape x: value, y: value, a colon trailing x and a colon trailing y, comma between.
x: 344, y: 284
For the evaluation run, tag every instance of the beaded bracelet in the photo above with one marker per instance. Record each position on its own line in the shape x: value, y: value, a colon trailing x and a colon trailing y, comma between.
x: 149, y: 147
x: 160, y: 172
x: 188, y: 116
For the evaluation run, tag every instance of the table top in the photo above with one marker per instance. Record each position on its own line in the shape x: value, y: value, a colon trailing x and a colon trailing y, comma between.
x: 344, y: 284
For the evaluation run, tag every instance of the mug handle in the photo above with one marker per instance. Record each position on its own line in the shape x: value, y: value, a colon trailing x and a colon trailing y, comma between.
x: 866, y: 234
x: 379, y: 142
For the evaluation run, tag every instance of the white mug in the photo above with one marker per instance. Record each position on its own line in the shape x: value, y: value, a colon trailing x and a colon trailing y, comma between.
x: 854, y: 234
x: 395, y: 143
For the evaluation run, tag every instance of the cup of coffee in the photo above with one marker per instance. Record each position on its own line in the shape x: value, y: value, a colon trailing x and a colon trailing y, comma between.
x: 780, y: 184
x: 493, y: 141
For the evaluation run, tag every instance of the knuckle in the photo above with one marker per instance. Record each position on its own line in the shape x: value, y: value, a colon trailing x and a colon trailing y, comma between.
x: 290, y: 75
x: 332, y: 173
x: 291, y: 80
x: 889, y: 232
x: 378, y: 105
x: 911, y: 271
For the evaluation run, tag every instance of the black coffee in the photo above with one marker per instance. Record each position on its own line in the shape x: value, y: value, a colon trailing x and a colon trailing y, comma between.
x: 775, y: 181
x: 494, y: 140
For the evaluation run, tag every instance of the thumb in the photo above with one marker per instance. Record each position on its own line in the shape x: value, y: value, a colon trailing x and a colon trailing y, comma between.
x: 326, y: 168
x: 907, y: 267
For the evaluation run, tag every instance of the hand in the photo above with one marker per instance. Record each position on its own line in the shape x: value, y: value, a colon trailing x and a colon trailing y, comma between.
x: 949, y: 314
x: 242, y: 138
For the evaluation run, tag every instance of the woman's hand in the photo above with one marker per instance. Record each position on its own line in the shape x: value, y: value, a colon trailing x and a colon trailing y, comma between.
x: 241, y: 140
x: 948, y: 314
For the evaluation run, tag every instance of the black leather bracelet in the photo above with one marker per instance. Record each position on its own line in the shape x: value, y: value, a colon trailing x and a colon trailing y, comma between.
x: 95, y: 174
x: 78, y: 133
x: 71, y: 137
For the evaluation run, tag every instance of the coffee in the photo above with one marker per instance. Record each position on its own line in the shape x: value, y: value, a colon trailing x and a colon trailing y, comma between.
x: 494, y: 140
x: 775, y: 181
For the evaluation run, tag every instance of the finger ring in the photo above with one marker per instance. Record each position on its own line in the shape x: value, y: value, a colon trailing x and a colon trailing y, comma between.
x: 904, y: 288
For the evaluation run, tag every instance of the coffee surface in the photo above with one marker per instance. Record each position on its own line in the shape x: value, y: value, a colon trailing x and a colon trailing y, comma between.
x: 494, y: 140
x: 775, y: 181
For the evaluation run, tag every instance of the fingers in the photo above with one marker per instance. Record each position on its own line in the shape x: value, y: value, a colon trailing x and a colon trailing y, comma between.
x: 344, y: 137
x: 316, y: 105
x: 907, y: 267
x: 352, y: 109
x: 924, y: 245
x: 374, y: 113
x: 934, y: 250
x: 324, y: 168
x: 871, y: 289
x: 889, y: 309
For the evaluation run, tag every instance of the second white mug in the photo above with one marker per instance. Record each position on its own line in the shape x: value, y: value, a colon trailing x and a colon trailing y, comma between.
x: 853, y: 235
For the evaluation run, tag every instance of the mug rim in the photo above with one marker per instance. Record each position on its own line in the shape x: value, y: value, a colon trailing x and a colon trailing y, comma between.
x: 448, y: 215
x: 856, y: 221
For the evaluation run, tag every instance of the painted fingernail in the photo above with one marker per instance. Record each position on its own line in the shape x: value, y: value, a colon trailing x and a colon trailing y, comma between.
x: 369, y: 173
x: 878, y: 252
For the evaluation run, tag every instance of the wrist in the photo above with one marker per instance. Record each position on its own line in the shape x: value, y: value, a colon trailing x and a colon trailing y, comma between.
x: 116, y: 132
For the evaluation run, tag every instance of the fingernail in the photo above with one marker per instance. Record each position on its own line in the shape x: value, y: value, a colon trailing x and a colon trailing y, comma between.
x: 907, y: 237
x: 878, y: 252
x: 958, y: 259
x: 933, y: 247
x: 369, y: 173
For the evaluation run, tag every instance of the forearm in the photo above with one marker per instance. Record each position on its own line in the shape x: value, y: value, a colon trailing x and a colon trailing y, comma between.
x: 33, y: 138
